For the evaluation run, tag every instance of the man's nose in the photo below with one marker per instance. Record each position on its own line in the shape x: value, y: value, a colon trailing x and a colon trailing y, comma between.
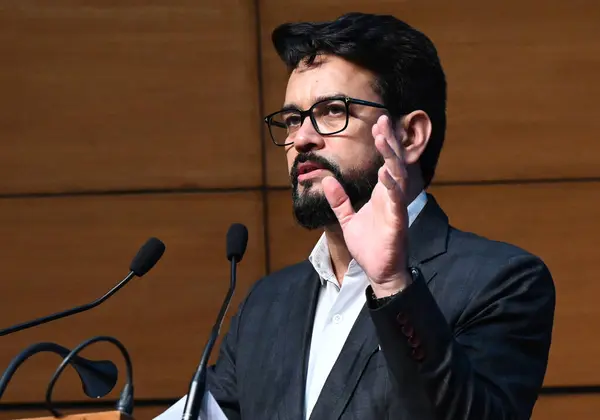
x: 307, y: 138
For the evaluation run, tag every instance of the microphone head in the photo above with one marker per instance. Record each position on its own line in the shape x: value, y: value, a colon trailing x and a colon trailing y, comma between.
x: 147, y: 256
x: 237, y: 240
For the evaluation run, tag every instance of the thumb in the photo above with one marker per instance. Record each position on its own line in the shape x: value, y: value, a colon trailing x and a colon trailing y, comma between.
x: 338, y: 200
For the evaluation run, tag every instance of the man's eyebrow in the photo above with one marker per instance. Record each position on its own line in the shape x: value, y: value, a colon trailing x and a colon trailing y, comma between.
x: 291, y: 106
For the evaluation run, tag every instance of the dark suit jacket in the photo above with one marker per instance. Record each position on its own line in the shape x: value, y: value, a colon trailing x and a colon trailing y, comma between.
x: 470, y: 341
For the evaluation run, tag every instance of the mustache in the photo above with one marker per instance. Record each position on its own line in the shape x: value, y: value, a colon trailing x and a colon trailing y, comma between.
x: 313, y: 158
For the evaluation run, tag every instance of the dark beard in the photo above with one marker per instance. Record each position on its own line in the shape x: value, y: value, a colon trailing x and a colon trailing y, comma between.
x: 311, y: 209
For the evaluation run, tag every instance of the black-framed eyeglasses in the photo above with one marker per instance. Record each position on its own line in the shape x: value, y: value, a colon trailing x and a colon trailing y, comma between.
x: 328, y: 116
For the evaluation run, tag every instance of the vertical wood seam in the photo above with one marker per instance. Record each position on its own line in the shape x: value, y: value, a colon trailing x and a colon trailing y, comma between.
x: 261, y: 137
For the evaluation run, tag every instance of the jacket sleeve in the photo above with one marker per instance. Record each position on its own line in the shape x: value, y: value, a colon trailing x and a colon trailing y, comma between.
x: 491, y: 365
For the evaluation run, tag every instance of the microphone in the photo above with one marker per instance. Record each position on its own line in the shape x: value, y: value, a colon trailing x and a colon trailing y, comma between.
x: 125, y: 403
x: 237, y: 240
x: 98, y: 378
x: 145, y: 259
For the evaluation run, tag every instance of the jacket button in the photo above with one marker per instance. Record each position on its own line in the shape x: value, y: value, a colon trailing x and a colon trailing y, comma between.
x: 418, y: 354
x: 414, y: 342
x: 408, y: 330
x: 401, y: 318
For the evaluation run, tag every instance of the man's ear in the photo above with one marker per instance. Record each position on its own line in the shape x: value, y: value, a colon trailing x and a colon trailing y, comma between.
x: 413, y: 131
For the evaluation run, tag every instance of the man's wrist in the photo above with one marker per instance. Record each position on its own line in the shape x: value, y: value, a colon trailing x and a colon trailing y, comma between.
x: 391, y: 290
x: 392, y: 286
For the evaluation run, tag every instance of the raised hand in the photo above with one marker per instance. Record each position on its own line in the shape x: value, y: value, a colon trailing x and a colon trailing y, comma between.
x: 376, y: 235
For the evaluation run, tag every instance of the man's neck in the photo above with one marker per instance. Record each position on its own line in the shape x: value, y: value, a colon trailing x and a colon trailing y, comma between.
x: 338, y: 252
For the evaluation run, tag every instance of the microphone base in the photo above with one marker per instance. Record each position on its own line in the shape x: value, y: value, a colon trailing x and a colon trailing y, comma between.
x: 125, y: 403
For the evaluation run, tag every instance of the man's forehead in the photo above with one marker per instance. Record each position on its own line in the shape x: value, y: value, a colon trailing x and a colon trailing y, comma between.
x: 330, y: 77
x: 322, y: 66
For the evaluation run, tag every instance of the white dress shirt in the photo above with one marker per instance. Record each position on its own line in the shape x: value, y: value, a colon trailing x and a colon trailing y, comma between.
x: 337, y: 310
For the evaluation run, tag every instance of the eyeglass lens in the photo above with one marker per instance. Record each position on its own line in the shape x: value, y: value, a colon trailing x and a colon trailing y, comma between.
x: 329, y: 117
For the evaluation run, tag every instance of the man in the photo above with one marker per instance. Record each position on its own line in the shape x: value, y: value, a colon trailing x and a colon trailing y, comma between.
x: 395, y: 314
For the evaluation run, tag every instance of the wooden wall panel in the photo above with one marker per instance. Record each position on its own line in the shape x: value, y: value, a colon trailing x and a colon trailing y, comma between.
x: 554, y: 221
x: 140, y: 413
x: 580, y: 407
x: 521, y: 86
x: 123, y: 95
x: 63, y: 252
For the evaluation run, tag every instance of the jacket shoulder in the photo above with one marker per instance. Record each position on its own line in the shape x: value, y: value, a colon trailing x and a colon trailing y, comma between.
x: 489, y: 271
x: 463, y: 244
x: 280, y: 281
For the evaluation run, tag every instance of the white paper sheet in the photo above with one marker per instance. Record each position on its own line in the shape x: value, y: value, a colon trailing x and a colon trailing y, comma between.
x: 209, y: 410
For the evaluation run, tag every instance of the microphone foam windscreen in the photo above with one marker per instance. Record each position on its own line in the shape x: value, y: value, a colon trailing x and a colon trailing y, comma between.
x: 237, y: 240
x: 147, y: 256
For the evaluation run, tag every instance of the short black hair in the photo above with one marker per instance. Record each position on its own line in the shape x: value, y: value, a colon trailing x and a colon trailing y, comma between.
x: 409, y: 75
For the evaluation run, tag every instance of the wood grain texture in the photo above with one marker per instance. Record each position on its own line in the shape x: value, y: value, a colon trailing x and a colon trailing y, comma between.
x: 140, y: 413
x: 554, y: 221
x: 101, y: 415
x: 576, y: 407
x: 521, y: 82
x: 105, y: 95
x: 63, y: 252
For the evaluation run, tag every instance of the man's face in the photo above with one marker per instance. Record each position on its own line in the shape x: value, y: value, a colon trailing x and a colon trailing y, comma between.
x: 350, y: 156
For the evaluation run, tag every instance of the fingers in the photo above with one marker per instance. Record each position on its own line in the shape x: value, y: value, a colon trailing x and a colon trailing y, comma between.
x: 390, y: 148
x: 393, y: 174
x: 394, y: 189
x: 338, y: 200
x: 393, y: 163
x: 383, y: 127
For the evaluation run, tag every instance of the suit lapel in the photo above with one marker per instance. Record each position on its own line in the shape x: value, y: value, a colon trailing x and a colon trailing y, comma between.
x: 428, y: 237
x: 361, y: 344
x: 299, y: 320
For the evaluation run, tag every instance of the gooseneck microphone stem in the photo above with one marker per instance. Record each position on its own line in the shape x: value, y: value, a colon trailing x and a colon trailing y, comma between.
x: 197, y: 388
x: 22, y: 357
x: 69, y: 312
x: 26, y: 354
x: 146, y: 257
x: 125, y: 403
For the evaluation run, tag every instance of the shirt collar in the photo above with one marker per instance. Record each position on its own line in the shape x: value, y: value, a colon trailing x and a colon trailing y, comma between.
x: 416, y: 206
x: 321, y: 261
